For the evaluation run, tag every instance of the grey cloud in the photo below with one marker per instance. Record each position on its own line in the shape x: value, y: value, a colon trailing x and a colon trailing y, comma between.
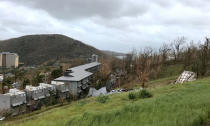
x: 108, y: 24
x: 77, y: 9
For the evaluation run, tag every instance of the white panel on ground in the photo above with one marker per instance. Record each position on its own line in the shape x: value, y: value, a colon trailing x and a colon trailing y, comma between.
x: 186, y: 76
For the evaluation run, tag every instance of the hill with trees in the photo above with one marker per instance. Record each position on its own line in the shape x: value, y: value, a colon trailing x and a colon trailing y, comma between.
x: 38, y: 49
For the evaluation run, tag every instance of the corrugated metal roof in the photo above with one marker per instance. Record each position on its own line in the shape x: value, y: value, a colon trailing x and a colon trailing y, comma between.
x: 78, y: 73
x: 85, y: 66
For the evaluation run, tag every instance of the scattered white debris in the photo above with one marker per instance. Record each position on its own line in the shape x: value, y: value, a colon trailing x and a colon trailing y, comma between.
x: 16, y: 85
x: 94, y: 92
x: 103, y: 91
x: 186, y: 76
x: 116, y: 91
x: 2, y: 118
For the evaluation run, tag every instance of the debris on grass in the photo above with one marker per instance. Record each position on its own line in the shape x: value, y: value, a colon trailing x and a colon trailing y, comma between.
x: 185, y: 77
x: 94, y: 92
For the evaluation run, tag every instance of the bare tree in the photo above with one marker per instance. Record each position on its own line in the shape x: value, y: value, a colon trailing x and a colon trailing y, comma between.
x: 176, y: 47
x: 164, y: 51
x: 143, y: 65
x: 207, y: 44
x: 100, y: 78
x: 104, y: 69
x: 190, y: 54
x: 129, y: 62
x: 203, y: 55
x: 156, y: 64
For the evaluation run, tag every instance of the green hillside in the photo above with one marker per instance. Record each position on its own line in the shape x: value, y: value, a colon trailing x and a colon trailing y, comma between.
x: 173, y: 105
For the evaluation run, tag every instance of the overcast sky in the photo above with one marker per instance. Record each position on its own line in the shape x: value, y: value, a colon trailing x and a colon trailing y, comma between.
x: 118, y: 25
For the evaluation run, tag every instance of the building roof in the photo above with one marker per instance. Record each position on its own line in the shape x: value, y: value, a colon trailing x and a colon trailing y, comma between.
x: 78, y: 73
x: 32, y: 88
x: 9, y: 53
x: 45, y: 85
x: 57, y: 83
x: 85, y: 66
x: 15, y: 92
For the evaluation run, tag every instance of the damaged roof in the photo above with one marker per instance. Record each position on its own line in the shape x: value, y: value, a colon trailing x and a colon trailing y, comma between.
x: 78, y: 73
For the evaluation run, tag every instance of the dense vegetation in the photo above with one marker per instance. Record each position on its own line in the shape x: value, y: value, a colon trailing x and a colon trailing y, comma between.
x: 169, y: 60
x: 172, y: 105
x: 38, y: 49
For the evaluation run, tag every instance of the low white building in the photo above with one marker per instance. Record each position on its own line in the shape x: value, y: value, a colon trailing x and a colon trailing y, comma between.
x: 13, y: 102
x: 62, y: 89
x: 34, y: 93
x: 17, y: 97
x: 47, y: 89
x: 60, y: 86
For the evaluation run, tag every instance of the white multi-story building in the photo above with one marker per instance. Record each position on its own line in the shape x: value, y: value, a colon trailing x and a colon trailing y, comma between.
x: 8, y: 60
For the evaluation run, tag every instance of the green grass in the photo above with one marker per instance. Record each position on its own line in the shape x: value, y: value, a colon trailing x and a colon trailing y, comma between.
x: 172, y: 70
x: 172, y: 105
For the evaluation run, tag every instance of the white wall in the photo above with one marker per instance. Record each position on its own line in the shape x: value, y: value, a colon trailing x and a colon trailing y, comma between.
x: 12, y: 60
x: 4, y: 102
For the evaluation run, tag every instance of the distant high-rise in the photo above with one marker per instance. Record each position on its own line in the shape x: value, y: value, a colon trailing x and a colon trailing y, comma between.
x: 8, y: 60
x: 94, y: 58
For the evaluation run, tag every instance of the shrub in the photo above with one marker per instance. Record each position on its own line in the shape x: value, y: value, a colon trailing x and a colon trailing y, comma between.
x: 144, y: 94
x: 131, y: 95
x: 102, y: 98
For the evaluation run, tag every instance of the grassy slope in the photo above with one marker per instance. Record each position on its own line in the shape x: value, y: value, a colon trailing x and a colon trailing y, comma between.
x: 173, y: 105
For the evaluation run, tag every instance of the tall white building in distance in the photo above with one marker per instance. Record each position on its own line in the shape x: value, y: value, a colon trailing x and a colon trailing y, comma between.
x: 9, y: 60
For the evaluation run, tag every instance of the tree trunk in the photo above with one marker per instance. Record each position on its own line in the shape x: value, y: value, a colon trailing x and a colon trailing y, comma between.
x: 143, y: 84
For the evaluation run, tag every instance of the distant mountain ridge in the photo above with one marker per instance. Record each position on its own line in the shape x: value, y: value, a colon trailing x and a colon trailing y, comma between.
x: 37, y: 49
x: 113, y: 53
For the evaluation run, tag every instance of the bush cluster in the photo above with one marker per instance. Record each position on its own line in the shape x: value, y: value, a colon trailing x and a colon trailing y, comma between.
x: 144, y: 94
x: 132, y: 95
x: 102, y: 98
x: 141, y: 94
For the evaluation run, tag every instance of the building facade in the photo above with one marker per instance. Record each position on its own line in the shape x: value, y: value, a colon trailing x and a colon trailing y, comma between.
x: 77, y: 78
x: 8, y: 60
x: 13, y: 102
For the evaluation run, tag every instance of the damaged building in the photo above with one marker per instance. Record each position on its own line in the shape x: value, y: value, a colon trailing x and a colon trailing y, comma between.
x: 62, y: 89
x: 77, y: 78
x: 35, y: 96
x: 14, y: 101
x: 74, y: 81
